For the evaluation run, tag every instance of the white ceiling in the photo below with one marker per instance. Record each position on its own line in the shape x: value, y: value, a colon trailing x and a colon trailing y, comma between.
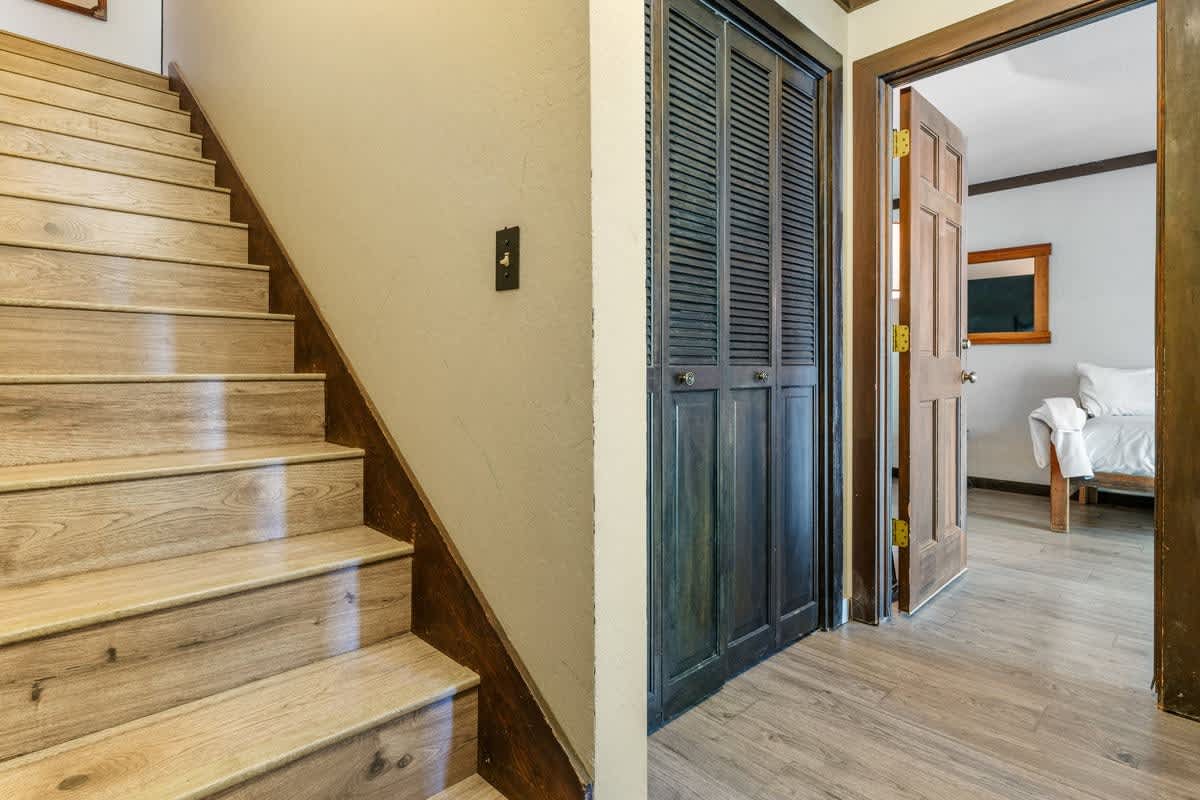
x: 1084, y: 95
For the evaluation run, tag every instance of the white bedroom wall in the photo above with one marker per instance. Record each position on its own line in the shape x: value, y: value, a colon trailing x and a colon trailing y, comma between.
x: 132, y: 34
x: 1101, y: 303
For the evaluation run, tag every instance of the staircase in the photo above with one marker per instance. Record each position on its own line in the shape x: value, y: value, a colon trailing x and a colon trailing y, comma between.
x: 190, y: 604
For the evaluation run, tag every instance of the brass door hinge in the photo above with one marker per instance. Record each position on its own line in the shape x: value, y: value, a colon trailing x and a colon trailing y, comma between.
x: 899, y: 533
x: 900, y: 338
x: 901, y: 143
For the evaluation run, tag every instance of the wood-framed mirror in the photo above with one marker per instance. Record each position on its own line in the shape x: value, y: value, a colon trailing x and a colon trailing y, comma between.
x: 1008, y: 295
x: 97, y: 9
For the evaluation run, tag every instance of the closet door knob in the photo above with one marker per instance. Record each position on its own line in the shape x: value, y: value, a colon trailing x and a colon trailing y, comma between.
x: 761, y: 376
x: 969, y: 377
x: 686, y: 378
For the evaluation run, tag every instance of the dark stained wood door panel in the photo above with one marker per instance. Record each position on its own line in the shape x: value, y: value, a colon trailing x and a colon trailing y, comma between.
x: 733, y: 346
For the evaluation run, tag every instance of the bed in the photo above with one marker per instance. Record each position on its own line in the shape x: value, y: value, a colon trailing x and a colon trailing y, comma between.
x: 1118, y: 437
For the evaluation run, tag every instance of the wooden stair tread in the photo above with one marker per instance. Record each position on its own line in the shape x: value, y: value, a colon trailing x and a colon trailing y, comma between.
x: 17, y: 302
x: 124, y: 173
x: 101, y: 140
x: 473, y: 788
x: 202, y: 748
x: 200, y: 262
x: 40, y: 609
x: 110, y: 470
x: 222, y: 377
x: 67, y: 201
x: 87, y: 62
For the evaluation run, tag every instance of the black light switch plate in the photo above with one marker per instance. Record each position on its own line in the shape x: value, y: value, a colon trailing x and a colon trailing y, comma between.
x: 508, y: 259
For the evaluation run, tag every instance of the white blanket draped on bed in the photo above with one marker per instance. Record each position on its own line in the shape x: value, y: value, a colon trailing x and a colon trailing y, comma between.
x: 1059, y: 421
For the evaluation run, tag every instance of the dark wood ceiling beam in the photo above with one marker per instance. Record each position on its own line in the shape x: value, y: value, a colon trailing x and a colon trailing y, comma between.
x: 853, y: 5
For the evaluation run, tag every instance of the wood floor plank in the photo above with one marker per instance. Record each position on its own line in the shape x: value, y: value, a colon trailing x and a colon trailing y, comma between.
x: 40, y: 178
x: 57, y: 340
x: 132, y: 417
x: 28, y: 611
x: 83, y: 152
x: 80, y: 79
x: 215, y: 744
x: 54, y: 275
x: 45, y: 221
x: 473, y: 788
x: 69, y: 529
x: 62, y: 687
x: 1012, y: 683
x: 23, y: 111
x: 44, y: 91
x: 71, y: 58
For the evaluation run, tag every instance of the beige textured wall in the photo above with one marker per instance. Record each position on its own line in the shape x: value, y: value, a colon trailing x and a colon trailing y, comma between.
x: 388, y: 142
x: 132, y: 34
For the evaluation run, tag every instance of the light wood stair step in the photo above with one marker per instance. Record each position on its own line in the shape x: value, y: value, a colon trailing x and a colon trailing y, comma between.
x: 55, y: 274
x: 71, y: 517
x: 45, y: 220
x: 72, y: 58
x: 315, y: 597
x: 33, y: 610
x: 473, y: 788
x: 58, y: 94
x: 21, y: 111
x: 396, y: 720
x: 80, y: 79
x: 64, y: 418
x: 81, y: 151
x: 44, y: 338
x: 37, y: 177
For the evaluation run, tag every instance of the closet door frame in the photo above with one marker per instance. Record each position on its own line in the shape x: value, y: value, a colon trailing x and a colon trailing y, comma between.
x: 772, y: 25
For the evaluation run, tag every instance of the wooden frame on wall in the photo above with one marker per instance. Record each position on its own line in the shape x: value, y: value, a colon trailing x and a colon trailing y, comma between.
x: 1177, y: 326
x: 96, y: 10
x: 1040, y: 253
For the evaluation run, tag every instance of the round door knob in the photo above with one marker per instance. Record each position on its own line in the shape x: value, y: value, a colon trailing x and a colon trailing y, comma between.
x: 966, y: 343
x: 760, y: 376
x: 969, y: 377
x: 687, y: 378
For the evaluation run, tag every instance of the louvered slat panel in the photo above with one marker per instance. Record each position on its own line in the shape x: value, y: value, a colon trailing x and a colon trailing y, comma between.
x: 798, y: 230
x: 649, y: 192
x: 749, y: 211
x: 692, y: 175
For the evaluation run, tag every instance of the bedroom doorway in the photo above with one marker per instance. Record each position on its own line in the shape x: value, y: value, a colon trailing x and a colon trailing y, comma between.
x: 1022, y: 280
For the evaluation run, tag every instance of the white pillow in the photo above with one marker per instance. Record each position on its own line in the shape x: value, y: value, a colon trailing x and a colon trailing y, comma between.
x: 1108, y: 392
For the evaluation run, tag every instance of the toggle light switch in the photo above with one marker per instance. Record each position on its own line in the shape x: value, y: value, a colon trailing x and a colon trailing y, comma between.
x: 508, y: 259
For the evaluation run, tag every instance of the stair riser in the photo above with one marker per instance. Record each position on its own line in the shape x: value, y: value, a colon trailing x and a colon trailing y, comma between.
x: 80, y: 152
x: 92, y: 103
x: 20, y: 111
x: 55, y: 275
x: 412, y: 758
x: 38, y: 68
x: 57, y: 55
x: 53, y: 341
x: 62, y: 687
x: 82, y: 185
x: 46, y: 423
x: 51, y: 533
x: 63, y: 224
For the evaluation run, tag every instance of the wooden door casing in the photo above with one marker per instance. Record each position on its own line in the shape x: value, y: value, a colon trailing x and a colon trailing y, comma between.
x: 932, y: 304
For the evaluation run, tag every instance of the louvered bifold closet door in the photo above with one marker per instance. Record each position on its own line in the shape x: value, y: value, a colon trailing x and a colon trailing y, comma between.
x: 732, y: 290
x: 693, y: 44
x: 798, y: 370
x: 750, y: 253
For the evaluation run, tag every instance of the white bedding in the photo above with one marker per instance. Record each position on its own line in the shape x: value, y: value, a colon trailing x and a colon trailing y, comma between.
x: 1121, y: 444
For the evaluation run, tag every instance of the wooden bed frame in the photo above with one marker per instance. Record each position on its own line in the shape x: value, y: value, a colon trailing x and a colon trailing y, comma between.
x: 1060, y: 490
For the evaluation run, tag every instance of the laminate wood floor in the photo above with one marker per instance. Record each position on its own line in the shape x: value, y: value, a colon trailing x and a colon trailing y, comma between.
x: 1027, y: 679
